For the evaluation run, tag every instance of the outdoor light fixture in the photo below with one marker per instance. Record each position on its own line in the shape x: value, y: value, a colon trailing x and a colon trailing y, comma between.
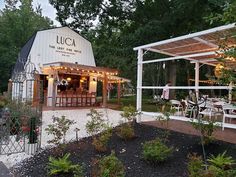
x: 68, y: 79
x: 218, y: 70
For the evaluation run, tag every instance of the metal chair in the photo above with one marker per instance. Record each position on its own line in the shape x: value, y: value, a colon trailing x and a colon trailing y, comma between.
x: 175, y: 104
x: 228, y: 112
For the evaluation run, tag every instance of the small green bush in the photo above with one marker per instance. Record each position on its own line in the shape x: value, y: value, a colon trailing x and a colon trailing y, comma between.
x: 96, y: 125
x: 222, y: 165
x: 218, y: 166
x: 100, y: 142
x: 111, y: 166
x: 59, y: 129
x: 206, y: 129
x: 195, y: 165
x: 125, y: 132
x: 156, y: 151
x: 64, y: 166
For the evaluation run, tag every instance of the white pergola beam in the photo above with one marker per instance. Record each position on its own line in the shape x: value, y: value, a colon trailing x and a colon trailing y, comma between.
x: 189, y: 87
x: 210, y: 44
x: 212, y: 30
x: 179, y: 57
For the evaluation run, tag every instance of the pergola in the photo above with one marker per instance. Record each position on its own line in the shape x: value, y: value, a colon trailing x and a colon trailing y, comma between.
x: 199, y: 48
x: 105, y: 75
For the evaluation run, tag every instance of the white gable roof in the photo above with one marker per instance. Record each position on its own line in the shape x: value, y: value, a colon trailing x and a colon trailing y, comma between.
x: 60, y: 45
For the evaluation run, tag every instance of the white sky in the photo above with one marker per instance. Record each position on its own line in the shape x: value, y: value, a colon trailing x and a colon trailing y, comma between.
x: 47, y: 9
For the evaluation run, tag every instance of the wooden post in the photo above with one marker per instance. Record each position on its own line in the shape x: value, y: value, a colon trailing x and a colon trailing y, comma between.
x: 36, y: 90
x: 9, y: 88
x: 118, y: 92
x: 104, y: 91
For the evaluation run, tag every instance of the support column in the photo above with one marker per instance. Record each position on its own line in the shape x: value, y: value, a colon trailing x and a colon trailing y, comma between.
x: 139, y: 83
x: 118, y: 92
x: 36, y: 90
x: 230, y: 92
x: 9, y: 88
x: 104, y: 91
x: 197, y: 79
x: 50, y: 91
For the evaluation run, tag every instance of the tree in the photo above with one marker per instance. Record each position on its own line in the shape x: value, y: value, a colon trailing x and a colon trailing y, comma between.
x: 17, y: 25
x: 121, y: 25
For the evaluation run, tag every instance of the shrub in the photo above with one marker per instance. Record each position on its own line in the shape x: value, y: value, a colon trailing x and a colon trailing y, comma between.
x: 156, y: 151
x: 195, y: 165
x: 206, y: 127
x: 59, y: 129
x: 125, y: 131
x: 63, y: 166
x: 96, y: 125
x: 219, y: 166
x: 129, y: 113
x: 101, y: 142
x: 222, y: 165
x: 110, y: 166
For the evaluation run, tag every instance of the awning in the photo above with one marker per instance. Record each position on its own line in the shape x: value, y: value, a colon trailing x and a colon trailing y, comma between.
x: 78, y: 69
x: 201, y: 46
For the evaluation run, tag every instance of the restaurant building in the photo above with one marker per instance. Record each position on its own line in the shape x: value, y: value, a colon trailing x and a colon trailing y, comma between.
x: 64, y: 63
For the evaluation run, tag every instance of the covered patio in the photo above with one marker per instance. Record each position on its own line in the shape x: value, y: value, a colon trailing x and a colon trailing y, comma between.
x: 200, y: 48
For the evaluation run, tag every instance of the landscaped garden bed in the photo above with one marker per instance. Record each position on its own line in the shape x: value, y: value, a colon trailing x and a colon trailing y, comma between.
x: 130, y: 154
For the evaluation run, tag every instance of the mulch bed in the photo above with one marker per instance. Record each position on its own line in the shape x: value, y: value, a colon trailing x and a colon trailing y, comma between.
x: 130, y: 153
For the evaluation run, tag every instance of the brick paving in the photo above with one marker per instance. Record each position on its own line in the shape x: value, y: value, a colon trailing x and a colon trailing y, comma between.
x: 228, y: 135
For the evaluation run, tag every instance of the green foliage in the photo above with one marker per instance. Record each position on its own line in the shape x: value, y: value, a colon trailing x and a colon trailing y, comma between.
x: 124, y: 24
x: 125, y: 131
x: 206, y: 127
x: 227, y: 16
x: 98, y: 125
x: 59, y: 129
x: 17, y: 24
x: 129, y: 113
x: 222, y: 165
x: 195, y: 165
x: 63, y: 166
x: 100, y: 142
x: 111, y: 166
x: 156, y: 151
x: 3, y: 101
x: 167, y: 111
x: 218, y: 166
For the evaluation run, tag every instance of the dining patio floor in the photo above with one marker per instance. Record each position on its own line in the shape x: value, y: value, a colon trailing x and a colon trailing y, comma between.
x: 228, y: 135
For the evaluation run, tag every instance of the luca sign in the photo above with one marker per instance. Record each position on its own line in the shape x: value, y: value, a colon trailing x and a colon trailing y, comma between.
x: 65, y: 40
x: 65, y: 46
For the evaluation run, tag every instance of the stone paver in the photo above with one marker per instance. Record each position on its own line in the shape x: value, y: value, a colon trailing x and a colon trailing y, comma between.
x: 4, y: 172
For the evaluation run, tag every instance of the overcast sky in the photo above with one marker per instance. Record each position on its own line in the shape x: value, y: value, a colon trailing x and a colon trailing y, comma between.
x: 47, y: 9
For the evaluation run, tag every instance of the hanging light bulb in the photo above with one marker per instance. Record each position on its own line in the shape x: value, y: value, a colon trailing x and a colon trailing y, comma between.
x: 164, y: 65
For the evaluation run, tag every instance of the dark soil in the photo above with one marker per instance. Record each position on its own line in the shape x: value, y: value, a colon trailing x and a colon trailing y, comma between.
x: 130, y: 153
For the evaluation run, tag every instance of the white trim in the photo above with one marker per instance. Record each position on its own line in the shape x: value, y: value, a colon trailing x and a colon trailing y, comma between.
x: 210, y: 44
x: 179, y: 57
x: 188, y: 87
x: 212, y: 30
x: 186, y: 119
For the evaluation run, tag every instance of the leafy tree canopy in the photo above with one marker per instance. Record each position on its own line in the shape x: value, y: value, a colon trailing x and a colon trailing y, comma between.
x: 17, y: 25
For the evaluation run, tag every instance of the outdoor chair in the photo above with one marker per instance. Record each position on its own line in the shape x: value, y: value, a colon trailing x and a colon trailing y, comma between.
x: 175, y: 104
x: 228, y: 112
x: 208, y: 109
x: 190, y: 109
